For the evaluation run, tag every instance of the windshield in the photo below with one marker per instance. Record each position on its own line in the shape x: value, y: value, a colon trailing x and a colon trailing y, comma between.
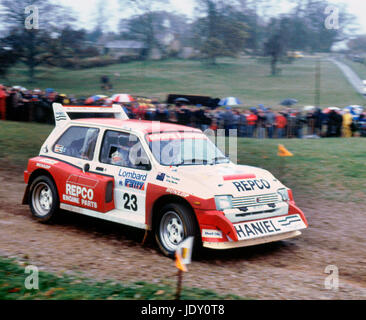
x: 179, y: 149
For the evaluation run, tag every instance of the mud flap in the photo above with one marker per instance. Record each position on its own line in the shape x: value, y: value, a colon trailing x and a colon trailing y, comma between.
x: 25, y: 197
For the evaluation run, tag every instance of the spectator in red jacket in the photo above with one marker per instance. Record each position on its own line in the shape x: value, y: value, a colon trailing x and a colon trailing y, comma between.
x: 2, y: 103
x: 281, y: 123
x: 252, y: 119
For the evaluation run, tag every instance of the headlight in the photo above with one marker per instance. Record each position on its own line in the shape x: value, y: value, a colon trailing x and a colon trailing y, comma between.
x: 223, y: 202
x: 284, y: 194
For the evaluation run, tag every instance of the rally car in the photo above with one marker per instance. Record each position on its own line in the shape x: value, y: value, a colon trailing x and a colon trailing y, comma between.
x: 167, y: 178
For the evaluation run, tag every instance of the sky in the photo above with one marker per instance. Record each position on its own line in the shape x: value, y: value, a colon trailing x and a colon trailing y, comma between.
x: 86, y: 10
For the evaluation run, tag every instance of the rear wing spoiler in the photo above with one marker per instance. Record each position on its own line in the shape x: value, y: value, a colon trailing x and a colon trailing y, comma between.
x: 61, y: 112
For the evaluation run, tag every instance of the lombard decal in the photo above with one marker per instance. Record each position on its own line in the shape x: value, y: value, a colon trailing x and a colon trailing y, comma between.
x: 132, y: 175
x: 42, y: 165
x: 132, y: 179
x: 80, y: 193
x: 176, y: 192
x: 251, y: 185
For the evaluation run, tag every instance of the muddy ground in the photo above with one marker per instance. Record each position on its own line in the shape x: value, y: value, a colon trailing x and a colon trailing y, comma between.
x: 292, y: 269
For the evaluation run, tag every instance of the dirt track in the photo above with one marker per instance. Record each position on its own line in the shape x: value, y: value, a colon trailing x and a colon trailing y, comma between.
x: 291, y: 269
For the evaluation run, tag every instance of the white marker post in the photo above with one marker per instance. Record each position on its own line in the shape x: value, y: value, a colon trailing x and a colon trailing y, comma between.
x: 183, y: 256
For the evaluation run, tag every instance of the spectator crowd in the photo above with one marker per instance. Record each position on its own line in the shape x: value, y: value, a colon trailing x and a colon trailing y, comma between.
x: 20, y: 104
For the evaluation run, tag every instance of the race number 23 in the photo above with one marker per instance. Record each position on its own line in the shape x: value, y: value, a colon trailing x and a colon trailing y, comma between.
x: 130, y: 202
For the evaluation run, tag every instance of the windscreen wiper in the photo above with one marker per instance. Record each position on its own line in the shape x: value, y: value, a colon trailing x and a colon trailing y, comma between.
x: 192, y: 161
x: 215, y: 160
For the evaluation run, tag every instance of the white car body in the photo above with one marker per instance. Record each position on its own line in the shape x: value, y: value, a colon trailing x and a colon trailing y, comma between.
x: 230, y: 205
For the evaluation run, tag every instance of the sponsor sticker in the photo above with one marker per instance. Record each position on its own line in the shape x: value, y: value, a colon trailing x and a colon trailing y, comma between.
x: 81, y: 192
x: 160, y: 176
x: 208, y: 233
x: 42, y: 165
x: 132, y: 179
x: 251, y: 185
x: 176, y: 192
x: 267, y: 227
x: 129, y: 183
x: 60, y: 116
x: 60, y: 148
x: 171, y: 179
x: 48, y: 161
x: 132, y: 175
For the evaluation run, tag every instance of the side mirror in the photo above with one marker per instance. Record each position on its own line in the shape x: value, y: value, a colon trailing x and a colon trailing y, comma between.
x: 86, y: 167
x: 143, y: 164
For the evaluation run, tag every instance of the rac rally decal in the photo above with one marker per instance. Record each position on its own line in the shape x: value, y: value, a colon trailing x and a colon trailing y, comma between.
x: 251, y: 185
x: 80, y: 194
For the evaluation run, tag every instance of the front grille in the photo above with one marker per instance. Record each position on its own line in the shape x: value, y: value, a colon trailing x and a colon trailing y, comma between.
x: 251, y: 201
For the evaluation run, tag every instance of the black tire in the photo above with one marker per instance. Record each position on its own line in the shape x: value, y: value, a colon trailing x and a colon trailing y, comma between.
x: 182, y: 225
x: 43, y: 199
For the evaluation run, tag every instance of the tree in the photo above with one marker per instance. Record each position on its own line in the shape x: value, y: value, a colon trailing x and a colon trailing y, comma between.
x: 100, y: 18
x: 253, y: 14
x: 145, y: 24
x: 8, y: 58
x: 276, y: 44
x: 357, y: 44
x: 64, y: 51
x: 308, y: 29
x: 220, y: 33
x: 31, y: 44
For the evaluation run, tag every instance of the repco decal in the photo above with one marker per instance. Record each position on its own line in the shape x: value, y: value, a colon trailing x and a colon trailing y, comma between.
x: 79, y: 193
x: 251, y: 185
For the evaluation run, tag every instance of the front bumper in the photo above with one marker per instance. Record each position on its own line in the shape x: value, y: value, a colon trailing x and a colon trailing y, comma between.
x: 219, y: 233
x: 250, y: 242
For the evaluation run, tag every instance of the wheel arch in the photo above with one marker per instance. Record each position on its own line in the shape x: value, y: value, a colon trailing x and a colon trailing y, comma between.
x: 166, y: 199
x: 34, y: 175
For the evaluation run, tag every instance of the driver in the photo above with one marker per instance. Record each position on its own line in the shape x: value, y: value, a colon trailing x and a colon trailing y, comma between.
x: 121, y: 156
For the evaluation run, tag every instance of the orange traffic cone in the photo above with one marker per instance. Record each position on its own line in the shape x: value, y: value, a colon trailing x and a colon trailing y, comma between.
x: 283, y: 152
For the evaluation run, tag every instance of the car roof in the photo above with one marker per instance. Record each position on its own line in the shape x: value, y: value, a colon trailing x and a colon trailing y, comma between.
x: 135, y: 125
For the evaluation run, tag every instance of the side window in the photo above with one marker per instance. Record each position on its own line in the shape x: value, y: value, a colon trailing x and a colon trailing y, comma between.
x: 124, y: 150
x: 77, y: 142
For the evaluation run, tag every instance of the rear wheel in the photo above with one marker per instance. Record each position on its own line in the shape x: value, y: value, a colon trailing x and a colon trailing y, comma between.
x: 43, y: 199
x: 174, y: 224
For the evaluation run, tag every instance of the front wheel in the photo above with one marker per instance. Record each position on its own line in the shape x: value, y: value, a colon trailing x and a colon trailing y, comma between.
x: 174, y: 224
x: 43, y: 199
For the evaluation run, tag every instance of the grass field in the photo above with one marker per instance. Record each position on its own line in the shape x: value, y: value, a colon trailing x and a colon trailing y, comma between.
x: 245, y: 78
x: 357, y: 67
x: 321, y: 168
x: 63, y: 287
